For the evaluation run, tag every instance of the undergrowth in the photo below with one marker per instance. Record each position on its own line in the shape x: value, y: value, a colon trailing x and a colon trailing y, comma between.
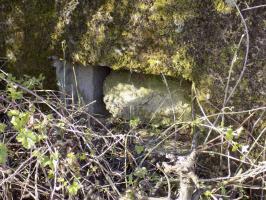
x: 52, y: 151
x: 49, y: 150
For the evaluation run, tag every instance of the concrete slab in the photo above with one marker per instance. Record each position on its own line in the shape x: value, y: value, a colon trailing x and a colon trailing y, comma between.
x: 82, y: 84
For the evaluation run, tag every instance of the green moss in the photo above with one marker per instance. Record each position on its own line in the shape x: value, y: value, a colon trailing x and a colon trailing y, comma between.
x: 183, y: 63
x: 139, y: 36
x: 192, y: 39
x: 130, y: 95
x: 28, y: 36
x: 223, y: 6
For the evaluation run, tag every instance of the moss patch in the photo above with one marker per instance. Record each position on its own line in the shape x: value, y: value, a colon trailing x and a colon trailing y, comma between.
x: 144, y: 36
x: 27, y: 37
x: 147, y: 97
x: 191, y: 39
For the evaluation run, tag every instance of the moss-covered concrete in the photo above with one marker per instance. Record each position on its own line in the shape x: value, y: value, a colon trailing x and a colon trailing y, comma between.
x: 27, y: 30
x: 144, y: 36
x: 150, y: 98
x: 192, y: 39
x: 156, y: 36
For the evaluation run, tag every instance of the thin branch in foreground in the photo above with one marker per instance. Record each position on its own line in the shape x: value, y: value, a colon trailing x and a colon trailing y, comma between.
x: 254, y: 7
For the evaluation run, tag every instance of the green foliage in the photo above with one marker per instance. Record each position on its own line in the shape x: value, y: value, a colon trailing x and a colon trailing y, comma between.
x: 14, y: 92
x: 232, y: 136
x: 224, y: 6
x: 141, y: 172
x: 130, y: 179
x: 19, y: 119
x: 179, y: 38
x: 73, y: 188
x: 72, y: 161
x: 47, y: 161
x: 3, y: 153
x: 236, y: 146
x: 208, y: 194
x: 27, y: 138
x: 83, y: 156
x: 229, y: 134
x: 2, y: 127
x: 134, y: 122
x: 33, y: 82
x: 139, y: 149
x: 42, y: 125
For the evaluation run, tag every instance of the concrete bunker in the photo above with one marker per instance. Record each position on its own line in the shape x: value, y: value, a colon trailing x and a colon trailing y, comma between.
x: 125, y: 94
x: 82, y: 84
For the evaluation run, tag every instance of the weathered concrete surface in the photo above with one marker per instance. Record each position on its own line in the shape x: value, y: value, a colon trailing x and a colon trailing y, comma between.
x: 147, y: 97
x: 82, y: 84
x: 193, y: 39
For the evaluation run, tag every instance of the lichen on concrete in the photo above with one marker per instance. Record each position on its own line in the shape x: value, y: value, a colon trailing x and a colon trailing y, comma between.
x: 147, y: 97
x: 195, y: 40
x: 142, y: 36
x: 26, y: 35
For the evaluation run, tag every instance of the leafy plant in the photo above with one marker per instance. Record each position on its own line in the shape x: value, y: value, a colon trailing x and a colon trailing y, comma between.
x: 141, y: 172
x: 3, y: 153
x: 229, y: 134
x: 27, y: 138
x: 208, y: 194
x: 13, y: 92
x: 33, y: 82
x: 46, y: 161
x: 2, y: 127
x: 134, y: 122
x: 19, y: 119
x: 73, y: 188
x: 139, y: 149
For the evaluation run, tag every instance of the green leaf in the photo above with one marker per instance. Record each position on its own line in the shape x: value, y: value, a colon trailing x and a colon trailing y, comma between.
x: 229, y: 134
x: 20, y: 120
x: 134, y: 122
x: 55, y: 155
x: 3, y: 153
x: 37, y: 154
x: 13, y: 92
x: 50, y: 174
x: 71, y: 156
x: 73, y: 188
x: 27, y: 138
x: 2, y: 127
x: 130, y: 179
x: 83, y: 156
x: 208, y: 193
x: 139, y: 149
x: 46, y: 161
x: 33, y: 82
x: 13, y: 113
x: 2, y: 76
x: 41, y: 137
x: 61, y: 180
x: 236, y: 146
x: 141, y: 172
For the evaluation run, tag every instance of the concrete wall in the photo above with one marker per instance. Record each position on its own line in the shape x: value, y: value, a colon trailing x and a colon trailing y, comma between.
x: 126, y: 95
x: 82, y: 84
